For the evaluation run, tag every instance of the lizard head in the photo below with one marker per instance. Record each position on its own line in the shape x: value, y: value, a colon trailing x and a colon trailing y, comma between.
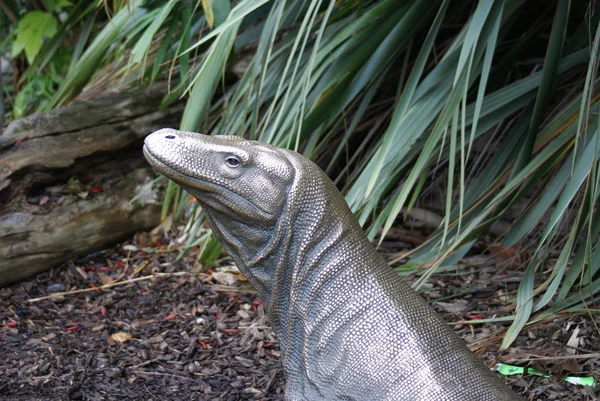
x: 244, y: 180
x: 242, y: 186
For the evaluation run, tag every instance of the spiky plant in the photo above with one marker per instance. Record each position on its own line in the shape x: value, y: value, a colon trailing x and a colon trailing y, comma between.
x: 495, y: 101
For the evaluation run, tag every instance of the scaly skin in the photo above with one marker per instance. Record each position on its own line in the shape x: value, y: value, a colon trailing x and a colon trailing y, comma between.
x: 350, y: 328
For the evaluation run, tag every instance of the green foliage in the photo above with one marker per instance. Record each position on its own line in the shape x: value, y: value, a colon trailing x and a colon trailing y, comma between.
x: 35, y: 94
x: 125, y: 21
x: 493, y: 103
x: 31, y: 31
x: 54, y: 5
x: 34, y: 27
x: 216, y: 11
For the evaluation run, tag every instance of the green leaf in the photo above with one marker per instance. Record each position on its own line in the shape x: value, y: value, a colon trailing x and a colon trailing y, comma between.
x: 31, y: 31
x: 120, y: 25
x: 140, y: 50
x: 216, y: 11
x: 406, y: 96
x: 221, y: 9
x: 184, y: 59
x: 210, y: 252
x: 555, y: 44
x: 162, y: 50
x: 170, y: 192
x: 206, y: 80
x: 208, y: 13
x: 236, y: 15
x: 53, y: 5
x: 53, y: 46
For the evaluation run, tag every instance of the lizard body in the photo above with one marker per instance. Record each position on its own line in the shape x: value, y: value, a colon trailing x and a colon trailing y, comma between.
x: 349, y: 327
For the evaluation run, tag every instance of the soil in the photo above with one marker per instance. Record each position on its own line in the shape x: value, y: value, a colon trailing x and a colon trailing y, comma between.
x: 162, y: 329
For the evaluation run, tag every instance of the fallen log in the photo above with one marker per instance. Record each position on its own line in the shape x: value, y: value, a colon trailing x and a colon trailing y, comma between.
x: 68, y: 177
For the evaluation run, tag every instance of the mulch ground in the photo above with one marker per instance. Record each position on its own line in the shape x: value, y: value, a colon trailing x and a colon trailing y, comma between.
x: 166, y: 330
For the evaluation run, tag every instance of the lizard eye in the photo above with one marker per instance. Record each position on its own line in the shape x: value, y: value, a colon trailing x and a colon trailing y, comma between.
x: 233, y: 161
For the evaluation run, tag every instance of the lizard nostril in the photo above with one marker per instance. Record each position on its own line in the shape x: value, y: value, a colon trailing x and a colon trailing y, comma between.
x: 170, y: 136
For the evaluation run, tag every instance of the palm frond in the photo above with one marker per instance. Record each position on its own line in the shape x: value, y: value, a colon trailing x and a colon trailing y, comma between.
x: 397, y: 100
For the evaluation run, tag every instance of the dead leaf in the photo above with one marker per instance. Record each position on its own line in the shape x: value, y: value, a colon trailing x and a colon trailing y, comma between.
x: 119, y: 337
x: 508, y: 257
x: 225, y: 278
x: 411, y: 237
x: 454, y: 307
x: 164, y: 226
x: 423, y: 218
x: 105, y: 279
x: 573, y: 342
x: 81, y: 272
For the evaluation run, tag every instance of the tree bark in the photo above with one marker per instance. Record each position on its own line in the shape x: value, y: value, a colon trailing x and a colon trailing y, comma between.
x: 67, y: 178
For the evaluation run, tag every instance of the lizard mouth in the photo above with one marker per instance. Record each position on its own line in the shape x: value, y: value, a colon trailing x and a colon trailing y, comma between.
x: 214, y: 195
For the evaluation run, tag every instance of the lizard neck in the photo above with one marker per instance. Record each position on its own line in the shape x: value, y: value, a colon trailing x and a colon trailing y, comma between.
x: 321, y: 243
x: 294, y: 261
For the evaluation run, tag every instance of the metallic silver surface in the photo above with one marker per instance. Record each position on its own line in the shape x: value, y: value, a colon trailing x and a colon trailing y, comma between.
x: 350, y: 328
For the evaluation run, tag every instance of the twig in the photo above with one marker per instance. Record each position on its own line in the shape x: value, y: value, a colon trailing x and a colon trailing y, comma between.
x: 228, y: 288
x: 143, y: 372
x: 106, y: 286
x: 139, y: 365
x: 555, y: 358
x: 253, y: 327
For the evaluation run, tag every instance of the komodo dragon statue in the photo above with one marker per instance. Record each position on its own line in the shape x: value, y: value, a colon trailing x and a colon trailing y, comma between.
x: 350, y: 328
